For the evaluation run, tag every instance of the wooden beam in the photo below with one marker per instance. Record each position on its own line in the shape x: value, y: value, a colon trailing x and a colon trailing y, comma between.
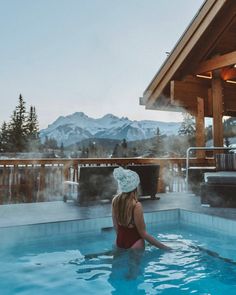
x: 184, y: 94
x: 229, y: 107
x: 186, y: 90
x: 209, y: 104
x: 216, y: 63
x: 215, y: 33
x: 200, y: 127
x: 187, y: 43
x: 229, y: 95
x: 217, y: 99
x: 230, y: 113
x: 228, y: 74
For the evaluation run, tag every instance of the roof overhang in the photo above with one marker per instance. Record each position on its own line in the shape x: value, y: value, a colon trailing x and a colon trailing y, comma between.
x: 209, y: 43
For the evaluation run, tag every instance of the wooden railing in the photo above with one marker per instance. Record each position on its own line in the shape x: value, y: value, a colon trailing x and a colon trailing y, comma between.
x: 35, y: 180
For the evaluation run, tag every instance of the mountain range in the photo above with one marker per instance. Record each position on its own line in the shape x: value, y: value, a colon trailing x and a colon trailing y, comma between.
x: 78, y: 126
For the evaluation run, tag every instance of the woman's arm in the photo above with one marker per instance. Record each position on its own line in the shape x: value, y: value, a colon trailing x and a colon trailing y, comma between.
x: 141, y: 227
x: 114, y: 219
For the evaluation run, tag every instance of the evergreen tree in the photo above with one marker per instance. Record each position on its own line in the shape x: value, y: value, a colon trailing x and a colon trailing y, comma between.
x: 156, y: 146
x: 22, y: 132
x: 124, y: 148
x: 32, y: 130
x: 121, y: 150
x: 115, y: 153
x: 50, y: 144
x: 188, y: 126
x: 159, y: 142
x: 4, y: 138
x: 134, y: 152
x: 32, y: 124
x: 17, y: 128
x: 124, y: 144
x: 229, y: 126
x: 92, y: 149
x: 188, y: 129
x: 62, y: 150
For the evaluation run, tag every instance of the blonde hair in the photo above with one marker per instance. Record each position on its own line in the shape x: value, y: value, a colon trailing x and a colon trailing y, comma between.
x: 123, y: 205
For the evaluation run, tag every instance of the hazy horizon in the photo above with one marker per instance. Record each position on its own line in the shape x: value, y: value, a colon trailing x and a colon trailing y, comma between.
x: 96, y: 57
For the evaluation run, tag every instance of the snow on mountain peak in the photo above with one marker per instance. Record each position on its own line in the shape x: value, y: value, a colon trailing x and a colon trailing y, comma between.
x: 109, y: 116
x: 78, y: 126
x: 79, y: 115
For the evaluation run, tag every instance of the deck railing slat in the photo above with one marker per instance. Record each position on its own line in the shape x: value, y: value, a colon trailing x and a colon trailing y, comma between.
x: 35, y: 180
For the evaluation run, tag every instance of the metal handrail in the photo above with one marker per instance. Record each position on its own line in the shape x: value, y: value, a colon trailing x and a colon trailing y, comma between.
x: 200, y: 148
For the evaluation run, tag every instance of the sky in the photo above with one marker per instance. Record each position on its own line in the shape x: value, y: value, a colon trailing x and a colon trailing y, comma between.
x: 91, y: 56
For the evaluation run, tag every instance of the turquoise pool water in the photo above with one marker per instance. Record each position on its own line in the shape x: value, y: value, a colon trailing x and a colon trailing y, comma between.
x: 201, y: 262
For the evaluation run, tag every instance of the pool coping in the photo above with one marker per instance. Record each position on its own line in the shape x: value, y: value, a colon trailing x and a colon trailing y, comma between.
x: 56, y: 211
x: 24, y: 233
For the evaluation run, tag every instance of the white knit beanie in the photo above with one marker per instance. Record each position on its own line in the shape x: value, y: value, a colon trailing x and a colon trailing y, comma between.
x: 128, y: 180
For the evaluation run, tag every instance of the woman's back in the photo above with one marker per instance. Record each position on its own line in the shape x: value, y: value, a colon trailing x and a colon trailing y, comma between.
x: 127, y: 233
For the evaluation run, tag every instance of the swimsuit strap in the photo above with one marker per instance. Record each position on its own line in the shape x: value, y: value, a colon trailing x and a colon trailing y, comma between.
x: 132, y: 217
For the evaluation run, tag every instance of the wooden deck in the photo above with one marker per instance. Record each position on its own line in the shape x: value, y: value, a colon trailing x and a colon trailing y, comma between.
x: 35, y: 213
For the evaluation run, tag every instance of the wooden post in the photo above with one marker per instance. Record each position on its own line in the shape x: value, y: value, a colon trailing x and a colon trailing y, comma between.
x: 66, y: 172
x: 217, y: 100
x: 75, y: 172
x: 27, y: 184
x: 42, y: 183
x: 5, y: 184
x: 200, y: 127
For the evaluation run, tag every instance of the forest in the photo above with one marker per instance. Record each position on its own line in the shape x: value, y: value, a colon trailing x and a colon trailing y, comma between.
x: 20, y: 136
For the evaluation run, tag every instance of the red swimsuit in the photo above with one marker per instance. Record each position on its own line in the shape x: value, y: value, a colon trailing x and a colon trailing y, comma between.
x: 127, y: 236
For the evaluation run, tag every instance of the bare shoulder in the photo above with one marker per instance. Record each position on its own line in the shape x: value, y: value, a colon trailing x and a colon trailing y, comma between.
x: 138, y: 216
x: 138, y: 207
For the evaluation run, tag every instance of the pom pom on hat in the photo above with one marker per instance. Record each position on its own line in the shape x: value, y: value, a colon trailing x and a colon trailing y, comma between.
x: 128, y: 180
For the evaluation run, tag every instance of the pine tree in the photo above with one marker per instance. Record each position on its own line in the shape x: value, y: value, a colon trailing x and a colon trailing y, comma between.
x: 188, y: 126
x: 50, y: 144
x: 32, y: 123
x: 115, y: 153
x: 32, y: 130
x: 229, y: 126
x: 134, y: 152
x: 124, y: 144
x: 159, y: 141
x: 4, y: 138
x: 17, y: 128
x: 22, y: 132
x: 156, y: 146
x: 62, y: 154
x: 188, y: 129
x: 124, y: 148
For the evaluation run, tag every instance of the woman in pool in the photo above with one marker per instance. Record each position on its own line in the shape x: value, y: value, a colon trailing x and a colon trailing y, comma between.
x: 127, y: 213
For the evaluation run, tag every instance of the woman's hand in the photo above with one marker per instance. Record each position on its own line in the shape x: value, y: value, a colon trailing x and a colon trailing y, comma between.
x: 141, y: 227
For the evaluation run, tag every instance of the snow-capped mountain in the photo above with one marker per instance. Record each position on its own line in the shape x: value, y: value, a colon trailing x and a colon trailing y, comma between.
x: 78, y: 126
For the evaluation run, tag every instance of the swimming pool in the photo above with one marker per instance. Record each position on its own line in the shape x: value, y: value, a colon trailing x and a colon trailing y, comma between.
x: 202, y: 261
